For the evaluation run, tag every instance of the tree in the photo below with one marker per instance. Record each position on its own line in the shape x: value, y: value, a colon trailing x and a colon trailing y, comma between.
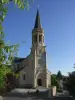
x: 59, y: 75
x: 7, y: 51
x: 54, y: 81
x: 70, y: 83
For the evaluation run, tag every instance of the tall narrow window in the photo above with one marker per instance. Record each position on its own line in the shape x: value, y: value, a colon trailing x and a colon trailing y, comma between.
x: 40, y: 38
x: 23, y: 76
x: 35, y: 38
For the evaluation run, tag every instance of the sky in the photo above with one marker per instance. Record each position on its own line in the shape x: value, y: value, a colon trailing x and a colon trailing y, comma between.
x: 58, y: 21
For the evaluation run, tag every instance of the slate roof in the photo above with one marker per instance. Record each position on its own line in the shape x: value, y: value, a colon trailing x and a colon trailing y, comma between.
x: 37, y: 21
x: 17, y: 59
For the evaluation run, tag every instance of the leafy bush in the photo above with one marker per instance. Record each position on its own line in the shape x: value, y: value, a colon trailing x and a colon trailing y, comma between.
x: 54, y: 81
x: 10, y: 81
x: 3, y: 71
x: 70, y: 83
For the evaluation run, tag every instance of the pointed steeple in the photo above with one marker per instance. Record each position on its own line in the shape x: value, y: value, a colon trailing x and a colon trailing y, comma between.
x: 37, y: 21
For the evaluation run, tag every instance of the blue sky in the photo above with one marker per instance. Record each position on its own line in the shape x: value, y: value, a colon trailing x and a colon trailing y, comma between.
x: 58, y: 21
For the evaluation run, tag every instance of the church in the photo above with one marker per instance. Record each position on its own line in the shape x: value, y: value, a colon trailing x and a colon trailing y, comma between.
x: 33, y: 71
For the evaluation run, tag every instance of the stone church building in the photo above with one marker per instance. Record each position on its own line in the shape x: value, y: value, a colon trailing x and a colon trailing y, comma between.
x: 33, y: 69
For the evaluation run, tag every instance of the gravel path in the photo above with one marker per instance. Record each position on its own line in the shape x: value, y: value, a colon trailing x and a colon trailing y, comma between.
x: 21, y: 94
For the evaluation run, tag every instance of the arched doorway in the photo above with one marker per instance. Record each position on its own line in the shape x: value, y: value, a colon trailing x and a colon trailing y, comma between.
x: 39, y: 82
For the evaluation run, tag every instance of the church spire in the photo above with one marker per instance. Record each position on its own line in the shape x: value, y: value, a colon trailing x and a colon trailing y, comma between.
x: 37, y: 21
x: 37, y: 33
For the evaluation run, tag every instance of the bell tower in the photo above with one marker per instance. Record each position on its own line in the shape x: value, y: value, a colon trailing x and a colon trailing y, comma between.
x: 37, y: 34
x: 38, y: 55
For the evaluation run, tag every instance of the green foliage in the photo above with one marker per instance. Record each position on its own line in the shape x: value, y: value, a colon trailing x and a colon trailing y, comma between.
x: 59, y: 75
x: 20, y: 3
x: 54, y: 81
x: 7, y: 51
x: 3, y: 71
x: 70, y: 83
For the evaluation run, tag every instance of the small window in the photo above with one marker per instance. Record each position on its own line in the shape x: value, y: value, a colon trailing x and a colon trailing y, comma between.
x: 40, y: 38
x: 35, y: 38
x: 23, y: 76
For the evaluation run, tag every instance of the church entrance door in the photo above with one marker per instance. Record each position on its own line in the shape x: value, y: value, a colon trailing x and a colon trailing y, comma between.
x: 39, y: 82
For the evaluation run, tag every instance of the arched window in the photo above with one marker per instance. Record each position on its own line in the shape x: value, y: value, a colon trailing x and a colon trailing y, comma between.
x: 35, y: 38
x: 40, y: 38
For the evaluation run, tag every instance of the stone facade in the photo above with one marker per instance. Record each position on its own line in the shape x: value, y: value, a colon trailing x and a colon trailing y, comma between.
x: 33, y: 69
